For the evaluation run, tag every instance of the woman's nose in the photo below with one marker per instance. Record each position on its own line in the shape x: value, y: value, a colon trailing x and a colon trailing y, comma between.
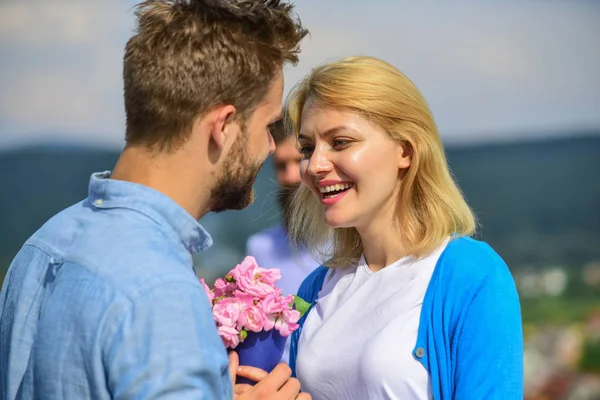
x: 319, y: 163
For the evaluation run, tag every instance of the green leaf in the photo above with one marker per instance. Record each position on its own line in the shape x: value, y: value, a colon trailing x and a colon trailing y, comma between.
x: 243, y: 334
x: 300, y: 305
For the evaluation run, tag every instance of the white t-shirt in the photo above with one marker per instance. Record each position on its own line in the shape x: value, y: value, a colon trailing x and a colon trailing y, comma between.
x: 357, y: 341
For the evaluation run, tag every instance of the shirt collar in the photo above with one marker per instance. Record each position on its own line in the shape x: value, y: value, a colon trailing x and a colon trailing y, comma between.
x: 106, y: 193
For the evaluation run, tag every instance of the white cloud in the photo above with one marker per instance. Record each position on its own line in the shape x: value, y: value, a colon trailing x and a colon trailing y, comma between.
x: 61, y: 79
x: 487, y: 70
x: 55, y: 22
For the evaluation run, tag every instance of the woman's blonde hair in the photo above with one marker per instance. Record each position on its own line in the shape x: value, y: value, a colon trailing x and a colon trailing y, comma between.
x: 431, y: 207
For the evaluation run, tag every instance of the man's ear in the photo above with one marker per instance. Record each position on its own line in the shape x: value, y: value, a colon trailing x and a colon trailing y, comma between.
x: 220, y: 119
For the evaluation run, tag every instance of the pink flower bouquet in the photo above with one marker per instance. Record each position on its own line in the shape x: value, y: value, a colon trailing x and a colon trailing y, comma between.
x: 252, y: 315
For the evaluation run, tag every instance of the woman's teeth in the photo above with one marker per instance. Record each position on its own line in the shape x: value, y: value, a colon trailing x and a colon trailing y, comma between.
x: 335, y: 188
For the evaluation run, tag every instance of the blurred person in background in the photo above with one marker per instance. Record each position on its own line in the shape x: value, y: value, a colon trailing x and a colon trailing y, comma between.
x: 271, y: 247
x: 102, y: 302
x: 407, y: 306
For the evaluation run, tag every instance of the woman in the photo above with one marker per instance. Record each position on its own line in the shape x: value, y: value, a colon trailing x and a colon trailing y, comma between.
x: 407, y: 305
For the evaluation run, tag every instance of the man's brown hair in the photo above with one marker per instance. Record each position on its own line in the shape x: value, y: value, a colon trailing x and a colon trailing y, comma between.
x: 189, y: 56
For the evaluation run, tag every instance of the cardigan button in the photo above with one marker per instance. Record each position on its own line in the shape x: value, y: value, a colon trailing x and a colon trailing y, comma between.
x: 420, y: 352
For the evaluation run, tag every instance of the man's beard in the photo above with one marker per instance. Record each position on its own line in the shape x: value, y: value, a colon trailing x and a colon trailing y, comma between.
x: 285, y: 194
x: 233, y: 190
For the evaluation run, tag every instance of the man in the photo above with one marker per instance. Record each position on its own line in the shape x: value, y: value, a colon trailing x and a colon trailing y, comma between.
x: 102, y: 302
x: 271, y: 247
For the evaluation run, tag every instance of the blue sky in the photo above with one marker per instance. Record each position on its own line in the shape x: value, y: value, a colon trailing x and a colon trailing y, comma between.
x: 494, y: 71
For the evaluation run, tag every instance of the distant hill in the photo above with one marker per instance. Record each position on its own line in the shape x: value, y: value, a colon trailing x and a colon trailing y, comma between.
x: 538, y: 202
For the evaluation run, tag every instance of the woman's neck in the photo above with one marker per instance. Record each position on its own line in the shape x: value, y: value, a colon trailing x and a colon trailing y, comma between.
x: 382, y: 244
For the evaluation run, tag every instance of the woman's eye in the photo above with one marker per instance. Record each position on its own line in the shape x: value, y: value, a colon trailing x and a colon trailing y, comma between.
x: 340, y: 143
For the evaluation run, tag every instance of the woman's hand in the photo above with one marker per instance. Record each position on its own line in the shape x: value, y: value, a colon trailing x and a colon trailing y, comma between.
x: 278, y: 384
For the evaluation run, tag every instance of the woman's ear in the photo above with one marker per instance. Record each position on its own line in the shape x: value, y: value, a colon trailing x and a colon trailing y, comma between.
x: 404, y: 155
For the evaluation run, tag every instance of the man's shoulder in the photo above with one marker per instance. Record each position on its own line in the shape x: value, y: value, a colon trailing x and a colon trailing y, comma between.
x: 86, y: 289
x: 124, y: 249
x: 129, y: 274
x: 143, y: 267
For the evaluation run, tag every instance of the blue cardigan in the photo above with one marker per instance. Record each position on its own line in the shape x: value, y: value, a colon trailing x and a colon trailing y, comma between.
x: 470, y: 336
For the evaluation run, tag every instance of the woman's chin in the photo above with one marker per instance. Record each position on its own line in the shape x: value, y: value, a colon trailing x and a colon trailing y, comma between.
x: 335, y: 221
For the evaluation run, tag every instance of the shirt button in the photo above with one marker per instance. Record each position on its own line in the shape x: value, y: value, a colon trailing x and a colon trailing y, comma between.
x: 420, y: 352
x: 99, y: 202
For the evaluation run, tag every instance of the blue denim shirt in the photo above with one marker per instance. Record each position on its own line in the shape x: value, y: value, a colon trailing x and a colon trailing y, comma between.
x: 103, y: 303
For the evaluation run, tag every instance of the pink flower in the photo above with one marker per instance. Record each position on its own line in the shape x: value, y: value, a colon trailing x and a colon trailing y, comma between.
x: 229, y: 335
x: 279, y: 314
x: 273, y: 305
x: 252, y: 318
x: 255, y: 280
x: 211, y: 295
x: 244, y: 298
x: 287, y: 322
x: 287, y: 301
x: 224, y: 288
x: 227, y: 311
